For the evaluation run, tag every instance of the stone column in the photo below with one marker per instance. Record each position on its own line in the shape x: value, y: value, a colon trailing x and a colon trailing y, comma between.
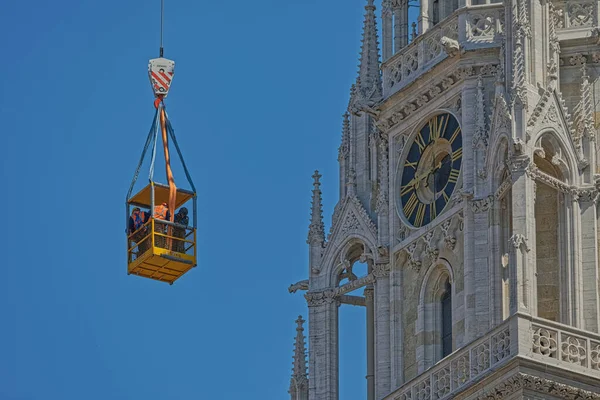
x: 575, y: 263
x: 323, y: 345
x: 481, y: 260
x: 468, y: 127
x: 370, y: 342
x: 523, y: 289
x: 396, y: 324
x: 424, y: 23
x: 382, y: 331
x: 387, y: 28
x: 401, y: 15
x: 589, y: 260
x: 495, y: 261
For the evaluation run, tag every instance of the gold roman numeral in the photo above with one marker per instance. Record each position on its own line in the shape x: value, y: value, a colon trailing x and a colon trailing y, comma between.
x: 420, y: 142
x: 410, y: 205
x: 420, y: 215
x: 407, y: 188
x: 453, y: 176
x: 457, y: 154
x: 454, y: 135
x: 446, y: 197
x: 445, y: 120
x: 411, y: 164
x: 433, y: 211
x: 434, y: 129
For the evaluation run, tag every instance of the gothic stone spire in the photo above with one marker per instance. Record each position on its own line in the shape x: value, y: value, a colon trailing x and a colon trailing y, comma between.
x: 299, y: 381
x: 369, y: 78
x: 316, y: 229
x: 344, y: 150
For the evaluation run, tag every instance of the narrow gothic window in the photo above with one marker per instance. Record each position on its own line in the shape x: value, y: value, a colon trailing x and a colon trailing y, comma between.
x: 447, y: 321
x: 436, y: 12
x: 550, y: 226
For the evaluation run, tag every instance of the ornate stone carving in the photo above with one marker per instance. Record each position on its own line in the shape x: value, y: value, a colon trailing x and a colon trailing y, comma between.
x: 482, y: 24
x: 441, y: 386
x: 503, y: 188
x: 539, y: 109
x: 573, y: 349
x: 500, y: 346
x: 431, y: 250
x: 518, y: 240
x: 351, y: 182
x: 501, y: 119
x: 553, y: 37
x: 413, y: 262
x: 519, y: 90
x: 381, y: 270
x: 551, y: 115
x: 425, y: 50
x: 449, y: 239
x: 581, y: 13
x: 461, y: 370
x: 534, y: 173
x: 350, y: 224
x: 353, y: 285
x: 545, y: 342
x: 584, y: 110
x: 421, y: 99
x: 315, y: 299
x: 351, y: 218
x: 346, y: 272
x: 595, y: 356
x: 482, y: 205
x: 519, y: 163
x: 451, y: 46
x: 316, y: 229
x: 402, y: 232
x: 481, y: 355
x: 521, y: 381
x: 344, y: 149
x: 489, y: 70
x: 480, y: 138
x: 364, y: 216
x: 577, y: 59
x: 558, y: 17
x: 382, y: 195
x: 301, y: 285
x: 422, y: 389
x: 585, y: 195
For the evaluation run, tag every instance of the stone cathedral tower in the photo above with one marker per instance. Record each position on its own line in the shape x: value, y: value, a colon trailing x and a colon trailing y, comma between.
x: 469, y: 186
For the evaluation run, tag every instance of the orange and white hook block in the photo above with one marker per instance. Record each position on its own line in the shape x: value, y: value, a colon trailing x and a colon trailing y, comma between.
x: 160, y: 72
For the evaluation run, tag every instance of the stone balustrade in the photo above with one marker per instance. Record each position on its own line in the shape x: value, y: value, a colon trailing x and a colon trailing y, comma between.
x: 564, y: 346
x: 466, y: 28
x: 574, y: 14
x: 537, y: 339
x: 459, y: 369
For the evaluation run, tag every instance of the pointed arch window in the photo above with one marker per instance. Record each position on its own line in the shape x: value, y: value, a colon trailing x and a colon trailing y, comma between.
x: 434, y: 321
x: 446, y: 320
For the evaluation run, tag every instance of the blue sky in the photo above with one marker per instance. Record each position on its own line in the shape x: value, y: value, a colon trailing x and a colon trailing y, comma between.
x: 256, y: 104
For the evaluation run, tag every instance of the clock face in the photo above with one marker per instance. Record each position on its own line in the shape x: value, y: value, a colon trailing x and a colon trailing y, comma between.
x: 431, y: 170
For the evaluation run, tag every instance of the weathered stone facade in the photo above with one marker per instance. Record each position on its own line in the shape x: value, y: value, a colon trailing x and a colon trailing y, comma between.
x: 487, y: 288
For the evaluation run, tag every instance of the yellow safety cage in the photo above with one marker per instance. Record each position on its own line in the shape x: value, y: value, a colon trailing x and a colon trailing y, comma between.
x: 160, y: 249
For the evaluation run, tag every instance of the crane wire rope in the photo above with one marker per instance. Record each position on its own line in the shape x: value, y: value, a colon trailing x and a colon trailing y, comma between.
x: 162, y: 12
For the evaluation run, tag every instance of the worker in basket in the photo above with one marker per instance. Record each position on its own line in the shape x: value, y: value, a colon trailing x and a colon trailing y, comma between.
x: 182, y: 219
x: 161, y: 212
x: 136, y: 229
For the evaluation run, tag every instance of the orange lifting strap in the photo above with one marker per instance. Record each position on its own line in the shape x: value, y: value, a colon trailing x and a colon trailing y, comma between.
x: 170, y: 178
